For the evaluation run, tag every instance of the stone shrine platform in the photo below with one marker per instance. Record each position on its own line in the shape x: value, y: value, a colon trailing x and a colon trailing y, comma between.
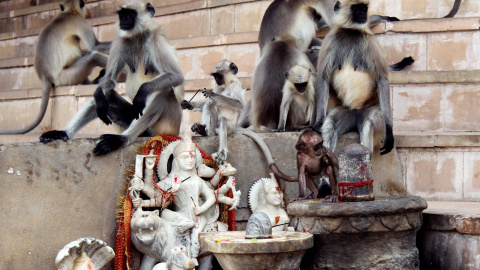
x: 450, y: 236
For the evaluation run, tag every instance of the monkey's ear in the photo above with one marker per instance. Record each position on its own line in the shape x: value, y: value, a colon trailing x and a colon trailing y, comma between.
x: 337, y: 7
x: 150, y: 9
x: 300, y: 146
x: 286, y: 74
x: 62, y: 8
x: 82, y: 4
x: 234, y: 68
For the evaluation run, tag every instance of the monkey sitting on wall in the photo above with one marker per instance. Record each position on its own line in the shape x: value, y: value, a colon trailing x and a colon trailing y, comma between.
x: 59, y: 59
x: 278, y: 57
x: 313, y: 160
x: 223, y: 106
x: 154, y: 82
x: 353, y: 68
x: 298, y: 97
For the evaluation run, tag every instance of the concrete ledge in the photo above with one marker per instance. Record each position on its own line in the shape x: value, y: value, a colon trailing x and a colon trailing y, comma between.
x: 195, y: 84
x: 437, y: 139
x: 449, y: 238
x: 462, y: 217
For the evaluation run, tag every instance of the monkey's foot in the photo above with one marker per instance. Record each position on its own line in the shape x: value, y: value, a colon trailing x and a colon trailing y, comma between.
x: 301, y: 127
x: 54, y: 135
x: 278, y: 130
x: 100, y: 75
x: 109, y: 143
x: 221, y: 157
x: 298, y: 199
x: 332, y: 198
x: 200, y: 129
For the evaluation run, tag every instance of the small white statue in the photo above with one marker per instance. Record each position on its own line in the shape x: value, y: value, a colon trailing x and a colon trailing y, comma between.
x: 84, y: 254
x: 265, y: 196
x: 178, y: 260
x: 193, y: 199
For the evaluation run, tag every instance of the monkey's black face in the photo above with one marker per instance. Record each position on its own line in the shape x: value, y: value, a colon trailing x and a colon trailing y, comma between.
x: 301, y: 87
x: 127, y: 18
x: 359, y: 13
x: 82, y: 4
x: 219, y: 79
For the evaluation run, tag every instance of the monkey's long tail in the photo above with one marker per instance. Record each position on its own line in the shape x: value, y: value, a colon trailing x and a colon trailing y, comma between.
x: 268, y: 155
x: 47, y: 88
x: 453, y: 12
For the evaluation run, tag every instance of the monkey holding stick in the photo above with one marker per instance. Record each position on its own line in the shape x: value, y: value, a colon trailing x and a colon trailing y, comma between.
x: 313, y: 160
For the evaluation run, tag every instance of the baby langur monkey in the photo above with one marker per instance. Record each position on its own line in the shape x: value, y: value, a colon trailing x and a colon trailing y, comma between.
x: 298, y: 99
x: 222, y: 109
x: 59, y: 59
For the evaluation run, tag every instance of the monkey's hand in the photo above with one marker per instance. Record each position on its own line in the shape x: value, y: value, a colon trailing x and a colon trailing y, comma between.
x: 208, y: 93
x: 53, y: 135
x: 186, y: 105
x: 102, y: 105
x: 388, y: 141
x: 139, y: 102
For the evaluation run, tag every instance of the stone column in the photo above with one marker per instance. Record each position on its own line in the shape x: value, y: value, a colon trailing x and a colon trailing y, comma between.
x: 377, y: 234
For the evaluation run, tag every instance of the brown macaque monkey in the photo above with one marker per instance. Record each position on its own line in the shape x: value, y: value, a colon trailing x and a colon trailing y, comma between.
x: 313, y: 160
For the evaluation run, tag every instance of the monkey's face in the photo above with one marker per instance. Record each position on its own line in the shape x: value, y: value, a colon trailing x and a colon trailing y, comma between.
x: 352, y: 14
x: 223, y: 69
x: 134, y: 17
x: 299, y: 76
x: 310, y: 143
x: 359, y: 13
x: 77, y: 6
x: 301, y: 87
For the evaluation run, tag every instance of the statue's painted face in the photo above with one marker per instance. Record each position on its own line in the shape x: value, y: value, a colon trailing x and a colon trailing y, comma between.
x: 274, y: 196
x: 186, y: 160
x: 150, y: 162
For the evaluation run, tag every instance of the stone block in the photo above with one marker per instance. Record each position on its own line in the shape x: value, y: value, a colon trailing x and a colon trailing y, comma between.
x: 63, y: 109
x: 19, y: 78
x: 453, y: 51
x: 448, y: 250
x: 222, y: 20
x: 248, y: 16
x: 183, y: 25
x: 72, y: 197
x: 107, y: 32
x: 244, y: 56
x: 199, y: 63
x: 462, y: 109
x: 418, y: 108
x: 471, y: 188
x: 412, y: 9
x: 435, y: 175
x: 17, y: 114
x: 403, y: 45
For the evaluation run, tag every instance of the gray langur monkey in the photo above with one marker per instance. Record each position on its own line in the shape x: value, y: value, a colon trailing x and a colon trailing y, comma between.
x: 221, y: 110
x: 298, y: 97
x: 268, y: 80
x: 301, y: 19
x: 353, y: 67
x: 59, y: 59
x: 154, y: 82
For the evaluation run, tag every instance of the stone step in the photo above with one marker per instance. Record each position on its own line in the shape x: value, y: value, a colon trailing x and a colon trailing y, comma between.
x: 38, y: 16
x: 198, y: 55
x: 418, y: 104
x: 450, y: 236
x: 20, y: 16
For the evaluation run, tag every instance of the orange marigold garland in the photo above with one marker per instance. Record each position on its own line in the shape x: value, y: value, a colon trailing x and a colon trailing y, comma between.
x: 124, y: 213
